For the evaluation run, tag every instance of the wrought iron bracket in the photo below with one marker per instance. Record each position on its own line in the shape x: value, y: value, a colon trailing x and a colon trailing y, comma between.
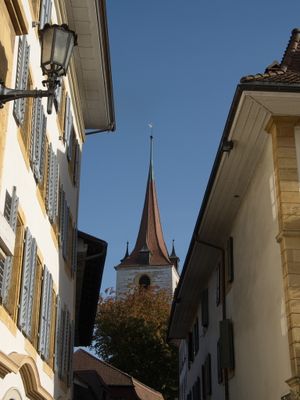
x: 7, y: 94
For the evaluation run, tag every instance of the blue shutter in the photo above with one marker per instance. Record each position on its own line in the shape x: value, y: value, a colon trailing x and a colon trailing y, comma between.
x: 45, y: 13
x: 70, y: 356
x: 28, y: 283
x: 21, y: 78
x: 45, y: 318
x: 38, y: 136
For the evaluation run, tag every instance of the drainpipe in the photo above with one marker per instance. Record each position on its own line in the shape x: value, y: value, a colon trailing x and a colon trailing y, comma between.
x: 226, y: 384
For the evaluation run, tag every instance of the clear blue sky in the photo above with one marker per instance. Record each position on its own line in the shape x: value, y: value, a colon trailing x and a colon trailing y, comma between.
x: 175, y: 63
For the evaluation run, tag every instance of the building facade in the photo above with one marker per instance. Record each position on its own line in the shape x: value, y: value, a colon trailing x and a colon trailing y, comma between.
x: 39, y: 186
x: 149, y: 263
x: 235, y: 315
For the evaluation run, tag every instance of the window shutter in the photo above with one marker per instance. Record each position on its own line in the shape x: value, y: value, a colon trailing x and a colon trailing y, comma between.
x: 203, y: 382
x: 226, y: 344
x: 66, y: 345
x: 190, y: 348
x: 55, y: 188
x: 7, y: 270
x: 58, y: 337
x: 70, y: 141
x: 38, y: 136
x: 68, y: 120
x: 196, y: 336
x: 218, y: 288
x: 74, y: 250
x: 70, y: 356
x: 66, y: 230
x: 45, y: 319
x: 220, y: 372
x: 76, y: 174
x: 45, y: 13
x: 208, y: 375
x: 58, y: 95
x: 21, y: 78
x: 230, y: 263
x: 204, y: 308
x: 11, y: 208
x: 50, y: 181
x: 62, y: 202
x: 14, y: 209
x: 28, y: 283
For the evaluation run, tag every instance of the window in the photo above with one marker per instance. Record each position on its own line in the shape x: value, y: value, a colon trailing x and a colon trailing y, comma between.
x: 64, y: 212
x: 230, y: 263
x: 204, y: 308
x: 5, y: 274
x: 190, y: 348
x: 76, y: 170
x: 144, y: 281
x: 21, y: 78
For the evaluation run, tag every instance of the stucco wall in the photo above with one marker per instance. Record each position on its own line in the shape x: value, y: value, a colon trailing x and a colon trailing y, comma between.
x: 256, y: 299
x: 163, y: 277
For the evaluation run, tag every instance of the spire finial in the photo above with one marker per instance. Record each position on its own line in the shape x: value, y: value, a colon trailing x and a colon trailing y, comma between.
x: 127, y: 252
x: 151, y: 151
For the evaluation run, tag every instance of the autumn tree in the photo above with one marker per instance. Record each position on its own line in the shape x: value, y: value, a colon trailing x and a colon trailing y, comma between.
x: 130, y: 333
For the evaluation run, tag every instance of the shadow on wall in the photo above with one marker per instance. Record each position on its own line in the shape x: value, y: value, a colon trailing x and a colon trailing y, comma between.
x: 3, y: 63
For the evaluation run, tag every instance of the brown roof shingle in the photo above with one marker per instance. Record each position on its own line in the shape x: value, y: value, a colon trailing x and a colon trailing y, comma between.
x: 288, y: 71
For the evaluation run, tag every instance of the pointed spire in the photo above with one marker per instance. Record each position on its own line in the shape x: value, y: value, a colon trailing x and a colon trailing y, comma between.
x: 150, y: 248
x: 173, y: 256
x: 127, y: 252
x: 173, y: 253
x: 151, y: 170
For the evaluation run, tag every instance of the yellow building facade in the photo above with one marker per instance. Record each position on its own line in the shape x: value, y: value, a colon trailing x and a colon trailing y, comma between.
x: 40, y: 157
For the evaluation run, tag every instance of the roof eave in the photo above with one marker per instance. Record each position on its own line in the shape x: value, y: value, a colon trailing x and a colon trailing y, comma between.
x: 92, y: 64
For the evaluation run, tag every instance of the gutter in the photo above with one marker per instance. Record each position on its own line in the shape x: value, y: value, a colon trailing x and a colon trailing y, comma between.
x: 241, y: 87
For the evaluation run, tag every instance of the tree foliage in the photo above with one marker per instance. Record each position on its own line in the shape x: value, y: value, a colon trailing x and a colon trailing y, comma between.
x: 130, y: 333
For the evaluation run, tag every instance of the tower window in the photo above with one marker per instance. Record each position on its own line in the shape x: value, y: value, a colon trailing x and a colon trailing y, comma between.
x: 144, y: 281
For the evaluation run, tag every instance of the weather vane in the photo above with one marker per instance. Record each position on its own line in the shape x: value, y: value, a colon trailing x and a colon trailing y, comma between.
x: 151, y: 129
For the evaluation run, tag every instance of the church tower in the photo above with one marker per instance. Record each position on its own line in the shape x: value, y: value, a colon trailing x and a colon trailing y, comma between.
x: 149, y: 263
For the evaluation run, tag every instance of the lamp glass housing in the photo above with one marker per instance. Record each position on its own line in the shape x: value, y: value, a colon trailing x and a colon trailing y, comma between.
x: 57, y: 46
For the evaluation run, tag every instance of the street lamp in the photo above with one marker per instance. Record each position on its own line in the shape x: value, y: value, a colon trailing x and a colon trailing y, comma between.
x: 57, y: 46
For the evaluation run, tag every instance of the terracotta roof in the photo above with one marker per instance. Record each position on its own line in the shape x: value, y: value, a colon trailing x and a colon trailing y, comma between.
x: 150, y: 247
x: 286, y: 72
x: 119, y: 383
